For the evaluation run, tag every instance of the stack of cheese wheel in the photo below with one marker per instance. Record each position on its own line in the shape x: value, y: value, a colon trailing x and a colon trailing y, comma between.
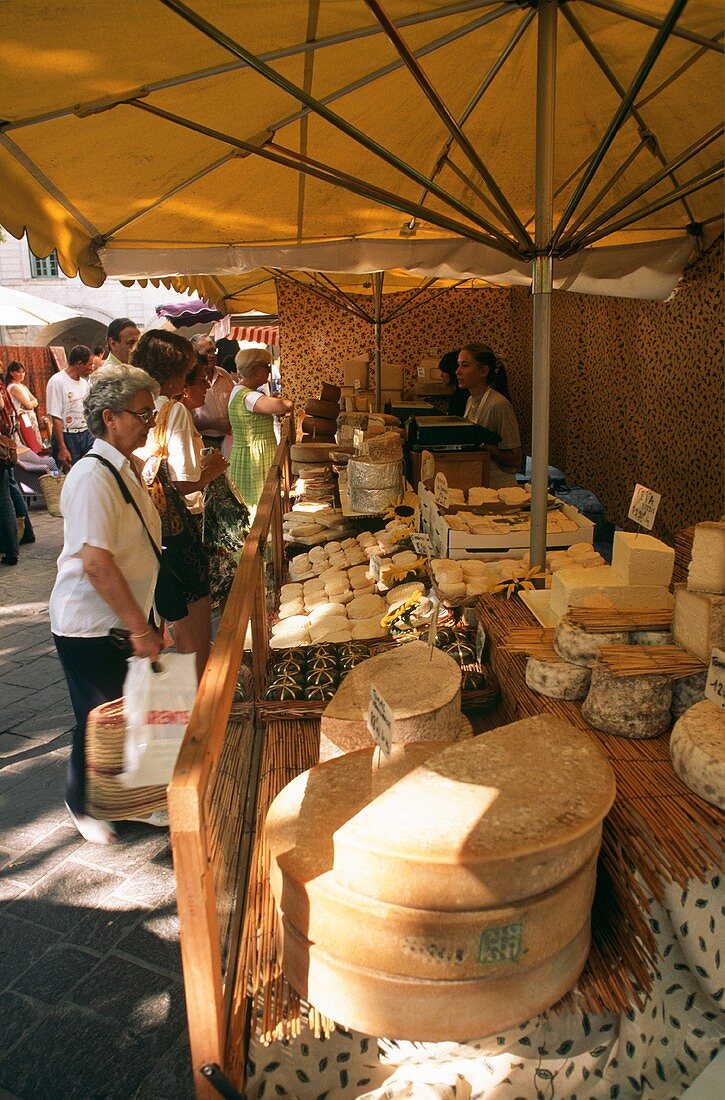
x: 439, y: 894
x: 422, y: 687
x: 698, y: 622
x: 569, y: 676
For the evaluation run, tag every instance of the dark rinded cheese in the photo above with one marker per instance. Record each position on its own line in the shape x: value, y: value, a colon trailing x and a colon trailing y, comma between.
x: 628, y: 706
x: 557, y: 679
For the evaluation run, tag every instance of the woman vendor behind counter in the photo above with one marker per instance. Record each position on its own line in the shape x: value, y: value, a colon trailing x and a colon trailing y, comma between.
x: 484, y: 377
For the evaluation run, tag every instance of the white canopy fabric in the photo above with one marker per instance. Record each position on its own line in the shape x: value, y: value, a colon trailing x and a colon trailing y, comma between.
x: 21, y: 310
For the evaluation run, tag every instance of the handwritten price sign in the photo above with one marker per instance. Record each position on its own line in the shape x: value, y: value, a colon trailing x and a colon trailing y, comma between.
x: 715, y: 686
x: 421, y: 544
x: 380, y: 721
x: 643, y: 508
x: 480, y: 642
x: 375, y: 564
x: 427, y: 466
x: 442, y: 498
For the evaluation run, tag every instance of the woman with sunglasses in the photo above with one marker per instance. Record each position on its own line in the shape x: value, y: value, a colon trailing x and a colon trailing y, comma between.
x: 108, y: 567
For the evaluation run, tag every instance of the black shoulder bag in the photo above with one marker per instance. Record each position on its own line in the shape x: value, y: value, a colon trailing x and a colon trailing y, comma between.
x: 168, y: 595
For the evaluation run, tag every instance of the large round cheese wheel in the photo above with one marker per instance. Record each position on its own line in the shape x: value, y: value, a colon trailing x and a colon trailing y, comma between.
x: 423, y: 690
x: 330, y: 392
x: 426, y: 1010
x: 557, y: 679
x: 506, y: 815
x: 580, y: 647
x: 697, y: 748
x: 316, y: 425
x: 628, y: 706
x: 326, y: 410
x: 311, y: 452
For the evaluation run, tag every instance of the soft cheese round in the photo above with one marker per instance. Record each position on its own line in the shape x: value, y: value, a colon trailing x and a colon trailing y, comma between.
x: 628, y: 706
x: 557, y: 679
x: 579, y: 646
x: 697, y: 748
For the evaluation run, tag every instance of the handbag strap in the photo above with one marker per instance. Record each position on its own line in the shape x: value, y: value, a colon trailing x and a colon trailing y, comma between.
x: 125, y: 493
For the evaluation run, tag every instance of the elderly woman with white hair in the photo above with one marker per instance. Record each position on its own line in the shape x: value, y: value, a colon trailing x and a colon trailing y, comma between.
x: 252, y: 414
x: 103, y: 594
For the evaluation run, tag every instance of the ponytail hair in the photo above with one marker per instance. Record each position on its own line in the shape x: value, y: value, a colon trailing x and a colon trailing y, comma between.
x: 496, y: 376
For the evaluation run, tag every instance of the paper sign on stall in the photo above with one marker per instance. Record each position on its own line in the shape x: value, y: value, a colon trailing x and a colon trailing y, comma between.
x: 442, y: 498
x: 375, y: 565
x: 715, y: 685
x: 480, y: 642
x: 381, y: 720
x: 427, y: 466
x: 643, y: 508
x: 433, y: 628
x: 421, y: 544
x: 357, y: 438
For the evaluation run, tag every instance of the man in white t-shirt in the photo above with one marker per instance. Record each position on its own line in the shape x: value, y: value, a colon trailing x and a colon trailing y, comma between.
x: 64, y: 397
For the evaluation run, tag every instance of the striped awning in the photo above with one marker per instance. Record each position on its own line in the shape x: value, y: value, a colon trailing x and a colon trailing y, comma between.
x: 257, y: 330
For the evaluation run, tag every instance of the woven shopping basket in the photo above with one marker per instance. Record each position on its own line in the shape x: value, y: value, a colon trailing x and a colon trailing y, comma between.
x: 106, y: 796
x: 51, y: 487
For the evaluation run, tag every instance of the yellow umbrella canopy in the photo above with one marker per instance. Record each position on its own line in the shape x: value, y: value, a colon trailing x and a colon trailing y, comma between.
x: 222, y: 140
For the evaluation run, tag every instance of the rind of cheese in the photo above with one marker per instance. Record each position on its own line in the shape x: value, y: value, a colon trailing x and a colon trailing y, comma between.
x: 600, y: 586
x: 651, y: 637
x: 697, y: 748
x: 642, y: 559
x: 517, y: 810
x: 706, y: 572
x: 557, y: 679
x: 581, y: 648
x: 698, y: 622
x: 628, y: 706
x: 425, y: 695
x: 423, y: 1010
x: 686, y: 691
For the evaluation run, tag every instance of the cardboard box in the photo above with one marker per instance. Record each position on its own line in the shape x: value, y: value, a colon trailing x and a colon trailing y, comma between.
x: 391, y: 376
x: 463, y: 469
x: 461, y: 544
x: 428, y: 372
x: 355, y: 373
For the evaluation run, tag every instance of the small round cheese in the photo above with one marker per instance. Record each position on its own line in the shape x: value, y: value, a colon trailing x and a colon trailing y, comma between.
x: 367, y: 629
x: 289, y: 626
x: 557, y: 679
x: 324, y: 629
x: 312, y: 586
x: 363, y: 607
x: 290, y: 592
x: 628, y: 706
x: 580, y: 647
x: 290, y: 608
x: 697, y: 748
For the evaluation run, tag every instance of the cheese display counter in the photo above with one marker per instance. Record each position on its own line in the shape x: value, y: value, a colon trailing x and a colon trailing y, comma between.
x: 501, y: 949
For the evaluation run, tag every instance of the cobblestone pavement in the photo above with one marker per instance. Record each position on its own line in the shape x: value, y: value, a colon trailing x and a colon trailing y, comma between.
x: 91, y: 996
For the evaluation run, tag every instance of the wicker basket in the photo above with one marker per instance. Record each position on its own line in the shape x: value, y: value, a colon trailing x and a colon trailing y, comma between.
x: 106, y: 796
x: 51, y: 488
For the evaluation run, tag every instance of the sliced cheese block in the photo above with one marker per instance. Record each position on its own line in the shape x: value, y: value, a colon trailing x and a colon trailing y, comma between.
x: 364, y: 607
x: 686, y: 691
x: 706, y: 572
x: 697, y: 748
x: 423, y: 1010
x: 642, y: 559
x: 628, y: 706
x: 698, y: 622
x: 557, y: 679
x: 579, y: 586
x: 472, y: 827
x: 424, y: 694
x: 580, y: 647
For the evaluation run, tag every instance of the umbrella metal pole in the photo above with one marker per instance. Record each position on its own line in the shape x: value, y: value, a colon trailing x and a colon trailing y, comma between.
x: 542, y: 276
x: 378, y: 300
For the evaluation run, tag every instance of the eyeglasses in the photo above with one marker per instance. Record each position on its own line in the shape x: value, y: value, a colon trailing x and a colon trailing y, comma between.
x: 148, y: 417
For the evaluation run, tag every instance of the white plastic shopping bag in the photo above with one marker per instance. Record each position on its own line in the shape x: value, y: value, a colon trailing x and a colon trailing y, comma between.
x: 157, y: 705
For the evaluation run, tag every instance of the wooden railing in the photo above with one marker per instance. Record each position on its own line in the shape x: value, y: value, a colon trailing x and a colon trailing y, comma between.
x: 212, y: 794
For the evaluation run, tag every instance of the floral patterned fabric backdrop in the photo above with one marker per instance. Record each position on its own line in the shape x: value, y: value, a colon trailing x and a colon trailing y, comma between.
x: 636, y: 391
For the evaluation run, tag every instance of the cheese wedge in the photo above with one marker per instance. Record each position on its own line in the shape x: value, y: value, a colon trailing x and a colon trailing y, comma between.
x: 600, y: 586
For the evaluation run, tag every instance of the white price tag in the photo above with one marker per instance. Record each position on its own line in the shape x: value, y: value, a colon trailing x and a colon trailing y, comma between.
x: 421, y: 543
x: 421, y: 372
x: 375, y: 563
x: 357, y: 437
x: 441, y: 491
x: 643, y: 508
x: 715, y: 685
x: 427, y: 466
x: 345, y: 436
x: 480, y: 642
x: 380, y: 721
x: 356, y: 384
x: 433, y: 628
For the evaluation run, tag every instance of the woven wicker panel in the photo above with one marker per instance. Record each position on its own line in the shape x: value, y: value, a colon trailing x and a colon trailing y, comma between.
x: 106, y: 796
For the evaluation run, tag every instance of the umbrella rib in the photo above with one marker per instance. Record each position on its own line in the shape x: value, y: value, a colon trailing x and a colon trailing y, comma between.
x: 479, y: 93
x: 636, y: 114
x: 607, y: 186
x: 620, y: 115
x: 511, y: 218
x: 351, y: 131
x: 40, y: 177
x: 235, y: 66
x: 648, y: 184
x: 413, y: 303
x: 338, y: 290
x: 673, y: 77
x: 201, y: 174
x: 314, y: 289
x: 697, y: 183
x: 292, y: 159
x: 413, y: 296
x: 650, y: 21
x: 313, y: 12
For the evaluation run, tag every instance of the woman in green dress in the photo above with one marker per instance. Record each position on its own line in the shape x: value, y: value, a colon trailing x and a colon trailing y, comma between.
x: 251, y: 415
